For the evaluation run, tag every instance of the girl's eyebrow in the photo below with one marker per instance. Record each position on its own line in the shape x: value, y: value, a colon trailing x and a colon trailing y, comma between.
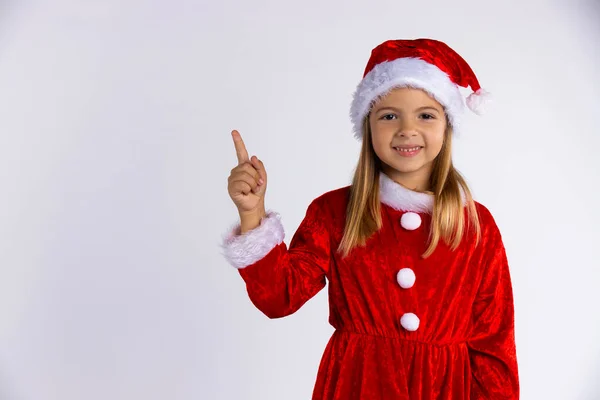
x: 418, y: 109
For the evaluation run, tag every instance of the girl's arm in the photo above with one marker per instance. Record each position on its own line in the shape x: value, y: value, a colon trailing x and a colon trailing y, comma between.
x: 491, y: 345
x: 279, y: 280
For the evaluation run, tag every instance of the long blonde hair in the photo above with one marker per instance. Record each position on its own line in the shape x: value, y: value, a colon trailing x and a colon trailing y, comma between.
x: 363, y: 213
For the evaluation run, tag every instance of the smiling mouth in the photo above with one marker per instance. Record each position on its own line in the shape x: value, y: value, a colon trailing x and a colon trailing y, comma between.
x: 408, y: 151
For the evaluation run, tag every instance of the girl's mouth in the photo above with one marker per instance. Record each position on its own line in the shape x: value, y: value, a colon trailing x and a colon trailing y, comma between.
x: 409, y: 151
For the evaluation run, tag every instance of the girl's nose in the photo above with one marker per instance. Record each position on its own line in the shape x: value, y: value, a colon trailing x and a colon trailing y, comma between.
x: 407, y: 131
x: 407, y: 128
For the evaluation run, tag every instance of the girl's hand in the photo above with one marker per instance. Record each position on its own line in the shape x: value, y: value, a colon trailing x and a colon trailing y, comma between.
x: 247, y: 181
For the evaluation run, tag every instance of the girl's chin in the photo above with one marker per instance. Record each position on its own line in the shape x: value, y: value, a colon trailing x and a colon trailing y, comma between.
x: 405, y: 167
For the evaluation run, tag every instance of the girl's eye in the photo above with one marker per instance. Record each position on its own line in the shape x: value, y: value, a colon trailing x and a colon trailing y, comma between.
x: 389, y: 117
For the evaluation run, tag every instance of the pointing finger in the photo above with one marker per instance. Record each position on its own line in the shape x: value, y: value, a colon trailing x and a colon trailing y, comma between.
x: 240, y: 148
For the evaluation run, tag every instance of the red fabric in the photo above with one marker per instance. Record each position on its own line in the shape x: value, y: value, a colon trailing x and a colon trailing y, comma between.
x: 433, y: 51
x: 464, y: 347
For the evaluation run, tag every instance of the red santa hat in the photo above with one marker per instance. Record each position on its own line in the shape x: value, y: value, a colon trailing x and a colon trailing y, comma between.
x: 425, y: 64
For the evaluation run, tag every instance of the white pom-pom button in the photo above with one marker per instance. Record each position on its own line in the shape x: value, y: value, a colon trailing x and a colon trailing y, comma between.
x: 406, y: 278
x: 410, y: 221
x: 410, y: 322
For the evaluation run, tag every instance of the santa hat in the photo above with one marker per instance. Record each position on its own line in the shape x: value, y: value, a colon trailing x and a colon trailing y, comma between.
x: 426, y: 64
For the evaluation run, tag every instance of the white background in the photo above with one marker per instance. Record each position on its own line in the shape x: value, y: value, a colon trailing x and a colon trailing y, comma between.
x: 115, y: 147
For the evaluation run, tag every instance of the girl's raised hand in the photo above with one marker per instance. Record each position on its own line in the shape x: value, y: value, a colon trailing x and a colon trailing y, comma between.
x: 247, y: 181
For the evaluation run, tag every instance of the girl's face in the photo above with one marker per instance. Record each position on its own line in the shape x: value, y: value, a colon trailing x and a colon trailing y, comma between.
x: 408, y: 128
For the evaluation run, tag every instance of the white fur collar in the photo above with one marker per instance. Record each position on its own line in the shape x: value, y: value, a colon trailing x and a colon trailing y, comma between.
x: 403, y: 199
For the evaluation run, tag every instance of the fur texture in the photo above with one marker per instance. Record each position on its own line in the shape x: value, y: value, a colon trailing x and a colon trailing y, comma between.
x: 402, y: 199
x: 478, y: 101
x: 242, y: 250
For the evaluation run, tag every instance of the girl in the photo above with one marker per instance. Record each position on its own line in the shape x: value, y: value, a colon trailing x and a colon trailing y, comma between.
x: 419, y: 286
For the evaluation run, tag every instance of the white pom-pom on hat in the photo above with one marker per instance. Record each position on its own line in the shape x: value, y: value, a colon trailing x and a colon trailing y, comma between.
x: 477, y: 101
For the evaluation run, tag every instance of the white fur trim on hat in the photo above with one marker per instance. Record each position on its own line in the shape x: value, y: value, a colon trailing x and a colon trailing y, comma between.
x: 403, y: 72
x: 242, y: 250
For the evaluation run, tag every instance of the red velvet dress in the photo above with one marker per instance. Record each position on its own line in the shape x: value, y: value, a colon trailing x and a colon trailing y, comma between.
x: 405, y: 327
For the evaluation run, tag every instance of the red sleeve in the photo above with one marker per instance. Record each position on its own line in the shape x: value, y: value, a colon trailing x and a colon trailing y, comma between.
x: 492, y: 350
x: 279, y: 280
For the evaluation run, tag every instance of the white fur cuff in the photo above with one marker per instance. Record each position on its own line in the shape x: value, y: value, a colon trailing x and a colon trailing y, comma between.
x: 242, y: 250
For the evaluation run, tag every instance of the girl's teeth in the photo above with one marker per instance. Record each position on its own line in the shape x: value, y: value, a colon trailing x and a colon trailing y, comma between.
x: 407, y: 150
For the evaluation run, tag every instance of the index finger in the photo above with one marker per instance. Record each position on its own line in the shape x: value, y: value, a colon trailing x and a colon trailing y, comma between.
x: 240, y: 148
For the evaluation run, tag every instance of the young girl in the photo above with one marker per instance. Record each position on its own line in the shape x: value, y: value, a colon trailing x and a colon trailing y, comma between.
x: 419, y: 286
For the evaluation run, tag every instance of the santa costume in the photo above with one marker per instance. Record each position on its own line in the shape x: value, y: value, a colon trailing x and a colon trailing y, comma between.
x: 406, y: 327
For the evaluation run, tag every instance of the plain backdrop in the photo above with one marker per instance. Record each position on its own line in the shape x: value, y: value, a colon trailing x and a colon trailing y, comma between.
x: 115, y: 148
